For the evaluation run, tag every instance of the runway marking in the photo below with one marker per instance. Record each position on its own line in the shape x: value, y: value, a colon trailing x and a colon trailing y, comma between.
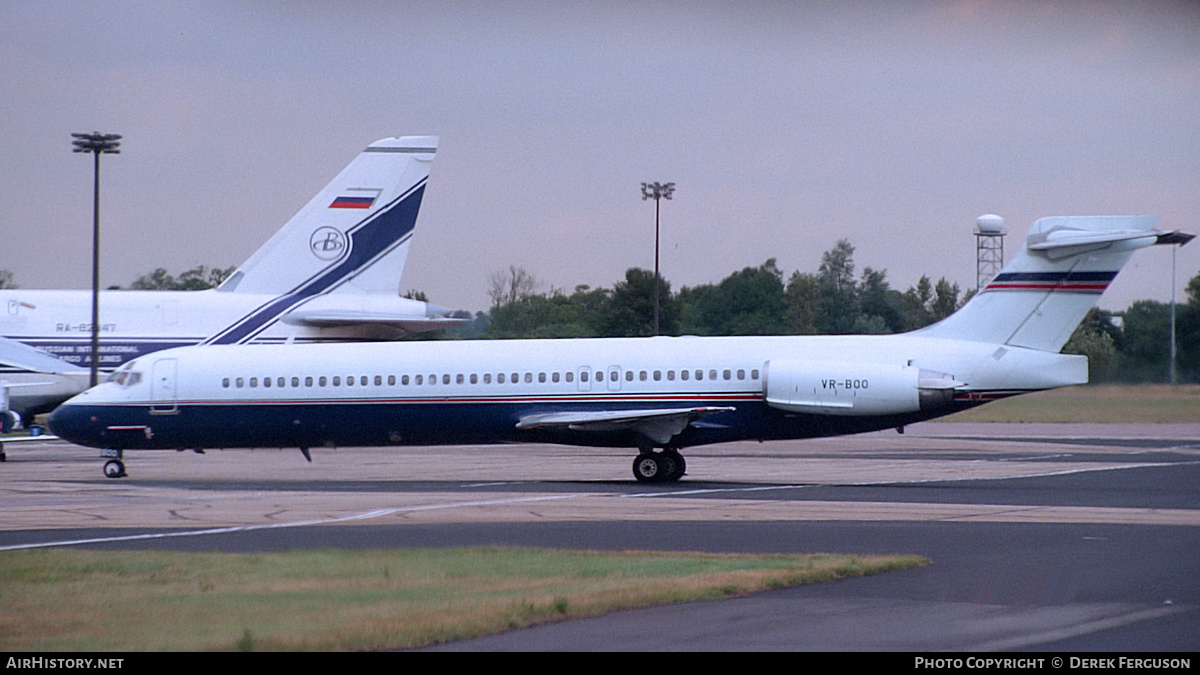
x: 985, y: 511
x: 368, y: 515
x: 1123, y: 616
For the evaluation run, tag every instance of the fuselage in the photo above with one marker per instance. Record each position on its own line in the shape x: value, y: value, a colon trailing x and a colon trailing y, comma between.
x: 440, y: 392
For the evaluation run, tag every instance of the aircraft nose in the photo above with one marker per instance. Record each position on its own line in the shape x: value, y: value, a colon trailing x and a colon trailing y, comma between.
x: 75, y: 424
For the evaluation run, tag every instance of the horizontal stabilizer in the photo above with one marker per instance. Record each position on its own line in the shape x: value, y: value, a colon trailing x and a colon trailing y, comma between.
x: 335, y: 319
x: 340, y: 310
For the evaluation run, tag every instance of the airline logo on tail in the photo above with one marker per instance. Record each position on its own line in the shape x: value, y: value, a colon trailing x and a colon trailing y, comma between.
x: 349, y: 227
x: 363, y: 246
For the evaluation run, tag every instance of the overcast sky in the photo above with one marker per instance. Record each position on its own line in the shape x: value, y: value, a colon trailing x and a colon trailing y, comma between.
x: 785, y: 125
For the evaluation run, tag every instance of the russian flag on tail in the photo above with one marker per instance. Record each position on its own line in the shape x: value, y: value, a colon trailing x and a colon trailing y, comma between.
x: 356, y: 198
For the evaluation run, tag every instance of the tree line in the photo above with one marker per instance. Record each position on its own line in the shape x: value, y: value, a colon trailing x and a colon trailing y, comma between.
x: 1129, y: 346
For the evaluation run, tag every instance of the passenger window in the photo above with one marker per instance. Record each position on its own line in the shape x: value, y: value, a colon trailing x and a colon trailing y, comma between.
x: 308, y: 381
x: 266, y: 382
x: 500, y: 378
x: 225, y: 382
x: 446, y: 378
x: 754, y: 374
x: 712, y: 374
x: 657, y: 375
x: 337, y: 381
x: 541, y: 377
x: 554, y: 376
x: 642, y: 376
x: 254, y: 382
x: 474, y: 378
x: 629, y: 376
x: 683, y: 374
x: 583, y: 376
x: 458, y: 379
x: 528, y: 378
x: 240, y: 383
x: 487, y: 378
x: 321, y: 381
x: 741, y: 374
x: 404, y: 380
x: 671, y: 375
x: 699, y: 374
x: 726, y: 374
x: 570, y: 376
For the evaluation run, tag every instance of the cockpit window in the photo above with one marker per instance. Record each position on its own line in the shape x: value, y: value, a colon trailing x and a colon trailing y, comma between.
x: 125, y: 376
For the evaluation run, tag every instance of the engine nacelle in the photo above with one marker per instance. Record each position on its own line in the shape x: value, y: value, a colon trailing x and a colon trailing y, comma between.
x: 9, y: 421
x: 853, y: 389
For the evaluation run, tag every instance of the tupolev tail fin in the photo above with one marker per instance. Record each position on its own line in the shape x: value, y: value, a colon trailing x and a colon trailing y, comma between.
x: 354, y: 235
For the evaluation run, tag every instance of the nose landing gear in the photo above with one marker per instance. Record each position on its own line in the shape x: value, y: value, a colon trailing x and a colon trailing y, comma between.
x: 115, y: 466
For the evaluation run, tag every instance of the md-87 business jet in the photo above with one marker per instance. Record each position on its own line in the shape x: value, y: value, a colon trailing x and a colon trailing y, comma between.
x: 660, y: 395
x: 331, y: 273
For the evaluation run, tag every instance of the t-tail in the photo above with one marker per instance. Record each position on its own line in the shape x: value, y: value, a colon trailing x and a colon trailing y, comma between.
x: 354, y: 234
x: 1044, y: 293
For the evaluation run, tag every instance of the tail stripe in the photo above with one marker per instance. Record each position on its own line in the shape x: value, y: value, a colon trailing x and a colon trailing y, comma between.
x: 370, y: 240
x: 1065, y: 282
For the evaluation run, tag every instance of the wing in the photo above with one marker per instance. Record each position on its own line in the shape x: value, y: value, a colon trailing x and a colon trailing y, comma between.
x: 20, y: 355
x: 659, y: 425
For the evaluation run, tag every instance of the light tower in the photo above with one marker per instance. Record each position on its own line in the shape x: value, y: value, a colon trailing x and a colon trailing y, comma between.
x: 989, y: 248
x: 97, y: 144
x: 656, y: 191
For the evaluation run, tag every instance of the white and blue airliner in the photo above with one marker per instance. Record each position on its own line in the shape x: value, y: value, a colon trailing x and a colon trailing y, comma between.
x: 657, y: 395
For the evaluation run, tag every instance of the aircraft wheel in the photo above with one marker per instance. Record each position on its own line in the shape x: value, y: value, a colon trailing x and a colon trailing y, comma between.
x: 680, y: 465
x: 660, y: 467
x: 114, y: 468
x: 646, y: 468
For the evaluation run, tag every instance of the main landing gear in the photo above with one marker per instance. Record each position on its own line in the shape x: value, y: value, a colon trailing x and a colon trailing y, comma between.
x: 658, y: 466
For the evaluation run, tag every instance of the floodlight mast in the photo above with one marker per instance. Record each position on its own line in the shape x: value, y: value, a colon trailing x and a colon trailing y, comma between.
x: 97, y: 144
x: 656, y: 191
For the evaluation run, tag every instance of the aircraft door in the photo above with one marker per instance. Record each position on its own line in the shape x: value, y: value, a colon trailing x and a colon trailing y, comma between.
x: 163, y: 394
x: 614, y: 378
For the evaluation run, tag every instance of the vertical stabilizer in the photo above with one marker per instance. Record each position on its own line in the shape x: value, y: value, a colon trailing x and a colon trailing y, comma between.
x: 1044, y: 293
x: 354, y: 234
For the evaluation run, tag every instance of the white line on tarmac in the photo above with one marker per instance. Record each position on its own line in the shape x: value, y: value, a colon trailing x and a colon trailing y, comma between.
x: 368, y: 515
x: 381, y: 513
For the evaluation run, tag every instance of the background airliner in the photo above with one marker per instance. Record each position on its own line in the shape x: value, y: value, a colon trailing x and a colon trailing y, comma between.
x: 659, y: 395
x: 331, y: 273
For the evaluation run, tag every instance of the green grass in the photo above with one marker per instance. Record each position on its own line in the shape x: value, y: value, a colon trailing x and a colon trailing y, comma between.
x: 77, y: 600
x: 1146, y: 404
